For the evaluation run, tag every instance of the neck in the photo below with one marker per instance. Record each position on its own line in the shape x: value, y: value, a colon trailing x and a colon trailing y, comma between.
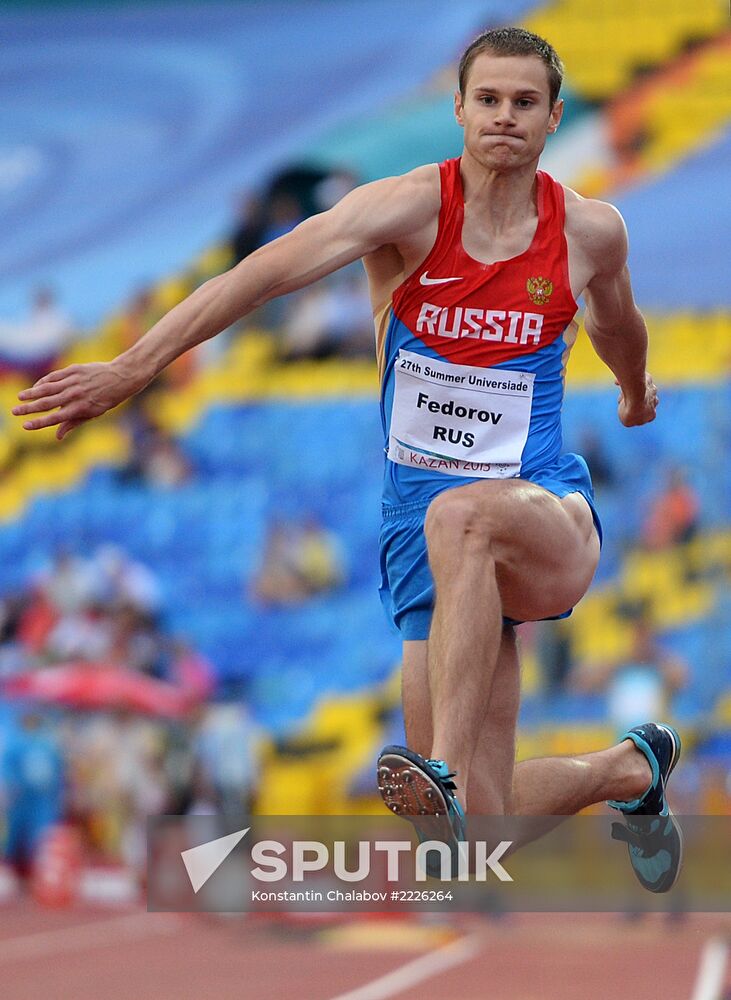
x: 503, y: 198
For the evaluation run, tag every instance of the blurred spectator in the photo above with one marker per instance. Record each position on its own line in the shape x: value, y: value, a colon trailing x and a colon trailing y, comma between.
x: 277, y: 581
x: 330, y: 318
x: 120, y: 580
x: 122, y: 766
x: 190, y: 671
x: 299, y: 560
x: 135, y: 641
x: 304, y: 325
x: 640, y: 687
x: 299, y: 181
x: 248, y: 233
x: 143, y: 312
x: 102, y: 608
x: 12, y: 652
x: 163, y: 463
x: 291, y: 196
x: 117, y: 622
x: 32, y: 781
x: 68, y: 583
x: 138, y: 317
x: 55, y: 615
x: 600, y: 465
x: 32, y: 348
x: 283, y: 214
x: 673, y: 515
x: 84, y: 635
x: 331, y: 189
x: 118, y: 780
x: 37, y: 617
x: 327, y: 318
x: 203, y: 800
x: 319, y: 557
x: 226, y: 754
x: 554, y: 654
x: 156, y: 458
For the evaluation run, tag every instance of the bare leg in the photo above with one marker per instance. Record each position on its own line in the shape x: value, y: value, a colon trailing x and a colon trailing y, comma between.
x: 491, y: 778
x: 463, y: 649
x: 550, y: 786
x: 562, y: 786
x: 495, y: 548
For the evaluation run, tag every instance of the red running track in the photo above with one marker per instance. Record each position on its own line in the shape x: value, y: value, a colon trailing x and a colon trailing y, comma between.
x: 134, y: 955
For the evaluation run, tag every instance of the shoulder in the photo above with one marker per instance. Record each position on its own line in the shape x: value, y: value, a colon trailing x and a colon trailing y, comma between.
x: 597, y: 230
x: 422, y: 183
x: 396, y: 206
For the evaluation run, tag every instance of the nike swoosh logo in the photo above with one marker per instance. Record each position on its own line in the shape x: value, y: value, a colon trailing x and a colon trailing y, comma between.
x: 423, y: 280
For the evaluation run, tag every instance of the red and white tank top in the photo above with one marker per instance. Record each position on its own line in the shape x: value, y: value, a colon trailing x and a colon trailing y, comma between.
x: 472, y: 355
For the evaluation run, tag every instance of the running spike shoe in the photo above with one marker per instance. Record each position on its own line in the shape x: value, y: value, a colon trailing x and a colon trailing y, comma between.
x: 651, y: 832
x: 413, y: 786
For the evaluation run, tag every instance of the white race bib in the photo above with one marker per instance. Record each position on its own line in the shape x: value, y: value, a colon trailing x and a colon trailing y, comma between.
x: 458, y: 419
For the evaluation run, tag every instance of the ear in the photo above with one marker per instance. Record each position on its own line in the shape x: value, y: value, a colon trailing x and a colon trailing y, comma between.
x: 555, y: 117
x: 458, y: 108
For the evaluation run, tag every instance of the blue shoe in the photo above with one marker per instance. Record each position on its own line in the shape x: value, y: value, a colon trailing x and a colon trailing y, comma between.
x: 653, y: 836
x: 413, y: 787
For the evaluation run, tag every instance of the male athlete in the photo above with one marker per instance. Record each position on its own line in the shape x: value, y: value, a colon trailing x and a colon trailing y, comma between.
x: 474, y: 266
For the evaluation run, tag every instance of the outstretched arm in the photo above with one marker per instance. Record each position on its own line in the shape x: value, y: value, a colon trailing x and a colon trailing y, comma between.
x: 367, y: 218
x: 615, y: 325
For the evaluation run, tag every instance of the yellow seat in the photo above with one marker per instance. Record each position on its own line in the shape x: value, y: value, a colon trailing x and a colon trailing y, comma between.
x: 604, y: 43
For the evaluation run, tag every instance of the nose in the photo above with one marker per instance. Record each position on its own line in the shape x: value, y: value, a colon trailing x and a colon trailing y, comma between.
x: 504, y: 113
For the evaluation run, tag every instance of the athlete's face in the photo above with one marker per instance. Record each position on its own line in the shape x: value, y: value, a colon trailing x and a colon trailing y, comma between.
x: 506, y: 112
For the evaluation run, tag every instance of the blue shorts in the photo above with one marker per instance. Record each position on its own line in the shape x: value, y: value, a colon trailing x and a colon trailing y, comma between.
x: 407, y: 587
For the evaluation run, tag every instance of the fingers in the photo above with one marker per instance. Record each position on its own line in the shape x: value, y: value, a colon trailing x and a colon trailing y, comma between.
x: 50, y: 385
x: 66, y: 427
x: 47, y: 402
x: 647, y: 417
x: 69, y: 412
x: 43, y: 391
x: 51, y: 391
x: 60, y: 417
x: 50, y: 420
x: 62, y: 393
x: 635, y: 417
x: 54, y: 376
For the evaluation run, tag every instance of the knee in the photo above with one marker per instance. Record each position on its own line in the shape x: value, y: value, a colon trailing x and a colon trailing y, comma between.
x: 457, y: 521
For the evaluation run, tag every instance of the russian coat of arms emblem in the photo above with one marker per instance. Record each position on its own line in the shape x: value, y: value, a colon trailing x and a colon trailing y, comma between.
x: 540, y: 290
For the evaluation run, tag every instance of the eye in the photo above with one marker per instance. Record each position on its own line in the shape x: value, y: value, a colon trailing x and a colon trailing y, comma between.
x: 524, y: 103
x: 487, y: 99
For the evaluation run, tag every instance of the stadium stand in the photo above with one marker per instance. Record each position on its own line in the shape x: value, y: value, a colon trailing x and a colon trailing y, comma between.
x: 678, y: 108
x: 605, y: 48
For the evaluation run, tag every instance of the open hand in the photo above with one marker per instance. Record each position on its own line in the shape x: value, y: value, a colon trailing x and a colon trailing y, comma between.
x: 74, y: 395
x: 635, y: 412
